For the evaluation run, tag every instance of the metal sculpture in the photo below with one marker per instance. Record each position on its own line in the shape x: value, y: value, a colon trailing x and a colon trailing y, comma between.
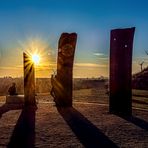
x: 62, y: 81
x: 121, y: 44
x: 29, y: 81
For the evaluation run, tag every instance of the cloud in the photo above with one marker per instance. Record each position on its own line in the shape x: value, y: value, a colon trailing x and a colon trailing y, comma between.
x: 101, y: 56
x: 9, y: 68
x: 89, y: 65
x: 98, y: 54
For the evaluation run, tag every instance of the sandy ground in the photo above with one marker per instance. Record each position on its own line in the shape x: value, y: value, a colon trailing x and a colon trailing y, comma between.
x: 87, y: 124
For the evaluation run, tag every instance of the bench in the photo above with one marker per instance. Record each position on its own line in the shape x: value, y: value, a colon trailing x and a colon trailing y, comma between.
x: 15, y: 99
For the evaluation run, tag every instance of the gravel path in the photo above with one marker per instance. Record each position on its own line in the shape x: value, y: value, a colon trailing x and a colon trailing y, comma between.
x: 84, y: 125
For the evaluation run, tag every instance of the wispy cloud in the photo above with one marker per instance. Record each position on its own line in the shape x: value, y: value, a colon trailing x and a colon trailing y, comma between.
x: 9, y: 68
x: 101, y: 56
x: 98, y: 54
x: 89, y: 65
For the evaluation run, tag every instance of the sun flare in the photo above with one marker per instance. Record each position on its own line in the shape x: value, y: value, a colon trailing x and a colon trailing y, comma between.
x: 36, y: 58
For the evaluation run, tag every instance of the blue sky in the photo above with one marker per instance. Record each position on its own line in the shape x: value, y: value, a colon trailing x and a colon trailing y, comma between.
x: 92, y: 20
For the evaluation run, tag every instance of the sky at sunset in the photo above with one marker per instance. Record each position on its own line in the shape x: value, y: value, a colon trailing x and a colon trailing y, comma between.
x: 36, y: 25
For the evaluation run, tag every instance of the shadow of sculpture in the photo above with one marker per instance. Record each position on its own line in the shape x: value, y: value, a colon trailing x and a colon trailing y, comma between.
x: 137, y: 121
x: 88, y: 134
x: 24, y: 132
x: 7, y: 107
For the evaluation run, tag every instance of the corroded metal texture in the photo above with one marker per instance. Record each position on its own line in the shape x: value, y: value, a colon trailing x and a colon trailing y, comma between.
x: 121, y: 44
x: 29, y: 81
x: 62, y: 82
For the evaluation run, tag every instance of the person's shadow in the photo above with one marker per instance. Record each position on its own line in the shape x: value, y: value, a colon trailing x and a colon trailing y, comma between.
x: 88, y: 134
x: 24, y: 132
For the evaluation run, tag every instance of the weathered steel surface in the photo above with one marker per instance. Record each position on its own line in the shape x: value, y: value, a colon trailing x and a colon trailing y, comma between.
x: 121, y: 45
x: 29, y: 81
x: 62, y: 82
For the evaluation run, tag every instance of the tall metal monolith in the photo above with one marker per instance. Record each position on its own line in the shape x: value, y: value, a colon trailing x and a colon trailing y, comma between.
x: 62, y: 81
x: 29, y: 81
x: 121, y: 45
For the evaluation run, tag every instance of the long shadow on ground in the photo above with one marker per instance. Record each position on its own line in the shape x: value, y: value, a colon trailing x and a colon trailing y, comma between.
x: 88, y: 134
x: 7, y: 107
x: 24, y: 132
x: 137, y: 121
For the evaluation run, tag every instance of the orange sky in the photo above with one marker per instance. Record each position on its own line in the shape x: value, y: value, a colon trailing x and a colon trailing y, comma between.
x: 79, y: 70
x: 12, y: 63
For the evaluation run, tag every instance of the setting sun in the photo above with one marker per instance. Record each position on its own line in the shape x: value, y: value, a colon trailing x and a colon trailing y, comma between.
x: 36, y: 58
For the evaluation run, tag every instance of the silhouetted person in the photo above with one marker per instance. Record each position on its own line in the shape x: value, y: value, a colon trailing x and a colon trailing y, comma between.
x: 12, y: 89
